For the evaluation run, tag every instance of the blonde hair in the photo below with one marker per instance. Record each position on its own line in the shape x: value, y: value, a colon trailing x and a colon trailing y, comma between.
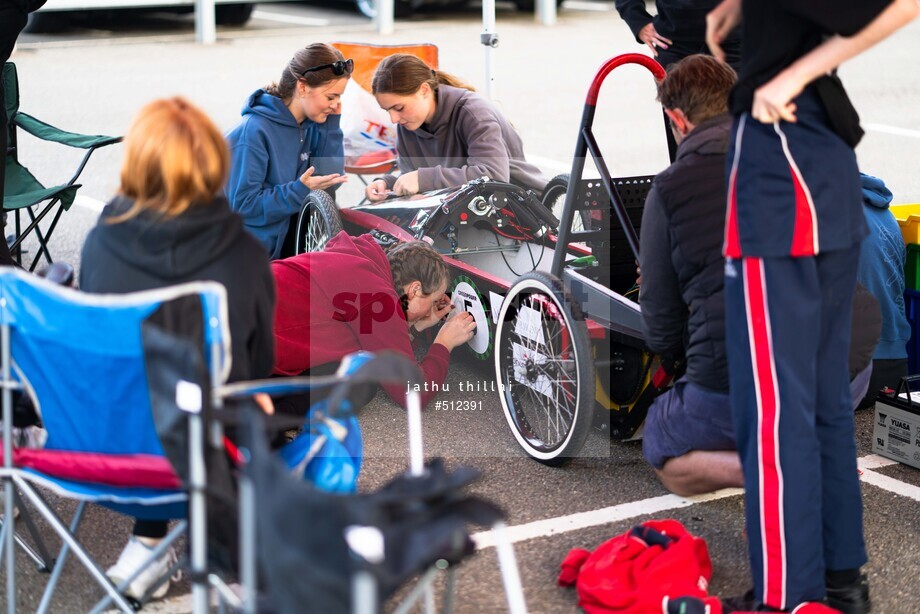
x: 402, y: 74
x: 174, y: 157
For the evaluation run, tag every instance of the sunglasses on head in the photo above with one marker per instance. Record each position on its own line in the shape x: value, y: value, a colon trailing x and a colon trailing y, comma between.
x: 339, y: 68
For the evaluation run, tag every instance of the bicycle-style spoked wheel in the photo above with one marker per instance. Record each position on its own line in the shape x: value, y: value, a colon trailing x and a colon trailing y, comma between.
x: 318, y: 222
x: 543, y: 363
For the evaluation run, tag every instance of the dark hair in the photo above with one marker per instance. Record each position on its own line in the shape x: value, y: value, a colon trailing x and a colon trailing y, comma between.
x: 417, y: 261
x: 316, y: 54
x: 402, y: 74
x: 698, y: 85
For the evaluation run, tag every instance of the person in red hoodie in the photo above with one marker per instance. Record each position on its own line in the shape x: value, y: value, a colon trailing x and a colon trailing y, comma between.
x: 354, y: 296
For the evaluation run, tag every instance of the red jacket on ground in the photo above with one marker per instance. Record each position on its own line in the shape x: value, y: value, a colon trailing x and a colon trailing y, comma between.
x: 339, y: 301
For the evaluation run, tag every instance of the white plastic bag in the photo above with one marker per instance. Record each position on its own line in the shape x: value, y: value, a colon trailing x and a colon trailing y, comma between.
x: 369, y: 134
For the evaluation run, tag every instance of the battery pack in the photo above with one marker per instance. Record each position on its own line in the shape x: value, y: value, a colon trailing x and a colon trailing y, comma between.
x: 896, y: 430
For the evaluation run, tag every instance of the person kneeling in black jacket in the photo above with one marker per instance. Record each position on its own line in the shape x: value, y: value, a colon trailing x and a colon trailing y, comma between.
x: 688, y: 436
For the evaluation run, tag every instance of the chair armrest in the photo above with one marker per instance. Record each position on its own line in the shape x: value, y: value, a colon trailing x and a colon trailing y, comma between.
x: 47, y: 132
x: 276, y: 386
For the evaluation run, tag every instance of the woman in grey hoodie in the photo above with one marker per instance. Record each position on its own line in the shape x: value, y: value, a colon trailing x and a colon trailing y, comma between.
x: 447, y: 134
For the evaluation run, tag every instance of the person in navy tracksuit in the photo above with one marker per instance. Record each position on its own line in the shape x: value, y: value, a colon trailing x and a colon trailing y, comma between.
x: 793, y: 228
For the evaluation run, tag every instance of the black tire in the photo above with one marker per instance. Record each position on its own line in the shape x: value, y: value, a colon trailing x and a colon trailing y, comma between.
x: 401, y: 8
x: 47, y: 22
x: 232, y: 14
x: 554, y: 200
x: 318, y: 222
x: 546, y: 373
x: 530, y: 5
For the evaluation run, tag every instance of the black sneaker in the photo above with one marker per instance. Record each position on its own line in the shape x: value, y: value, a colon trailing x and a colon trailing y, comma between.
x: 743, y: 603
x: 852, y: 598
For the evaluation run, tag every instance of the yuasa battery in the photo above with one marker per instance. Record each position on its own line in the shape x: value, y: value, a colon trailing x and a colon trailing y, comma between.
x: 896, y: 430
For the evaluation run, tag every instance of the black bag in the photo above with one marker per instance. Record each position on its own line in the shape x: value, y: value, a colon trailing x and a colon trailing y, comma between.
x: 841, y: 113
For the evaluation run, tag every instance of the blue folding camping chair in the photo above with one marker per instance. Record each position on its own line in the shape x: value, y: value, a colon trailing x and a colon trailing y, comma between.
x: 81, y: 358
x: 125, y: 386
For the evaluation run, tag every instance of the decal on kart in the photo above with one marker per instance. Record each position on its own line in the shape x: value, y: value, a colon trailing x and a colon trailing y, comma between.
x: 466, y: 297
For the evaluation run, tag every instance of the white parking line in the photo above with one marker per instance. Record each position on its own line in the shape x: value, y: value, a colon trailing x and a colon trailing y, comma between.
x: 625, y: 511
x: 89, y: 203
x: 607, y: 515
x: 892, y: 130
x: 549, y: 163
x: 296, y: 20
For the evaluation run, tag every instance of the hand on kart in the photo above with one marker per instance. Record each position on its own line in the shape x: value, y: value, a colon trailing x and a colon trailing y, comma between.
x: 321, y: 182
x: 438, y: 312
x: 376, y: 190
x: 719, y: 23
x: 407, y: 184
x: 457, y: 330
x: 773, y: 100
x: 649, y: 35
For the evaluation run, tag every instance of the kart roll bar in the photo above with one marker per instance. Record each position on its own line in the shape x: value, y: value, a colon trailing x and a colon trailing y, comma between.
x: 587, y: 143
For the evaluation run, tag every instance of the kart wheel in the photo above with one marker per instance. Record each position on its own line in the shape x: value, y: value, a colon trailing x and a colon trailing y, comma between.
x: 319, y: 221
x: 543, y: 364
x: 554, y: 199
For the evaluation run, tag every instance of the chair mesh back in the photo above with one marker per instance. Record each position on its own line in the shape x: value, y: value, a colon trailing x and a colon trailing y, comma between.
x: 367, y: 57
x: 82, y: 356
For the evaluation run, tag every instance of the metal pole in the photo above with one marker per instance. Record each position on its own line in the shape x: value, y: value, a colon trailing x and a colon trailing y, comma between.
x: 9, y: 523
x: 197, y: 511
x: 205, y: 22
x: 489, y: 39
x: 546, y: 12
x: 385, y: 11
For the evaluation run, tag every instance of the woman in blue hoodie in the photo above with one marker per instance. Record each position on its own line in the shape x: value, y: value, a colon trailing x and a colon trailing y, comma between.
x: 289, y: 143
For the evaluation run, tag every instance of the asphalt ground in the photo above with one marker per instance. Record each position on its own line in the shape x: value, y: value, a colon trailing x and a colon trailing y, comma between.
x: 95, y: 81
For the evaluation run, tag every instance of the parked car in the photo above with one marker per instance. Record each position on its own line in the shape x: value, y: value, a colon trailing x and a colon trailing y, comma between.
x: 403, y: 8
x: 55, y: 15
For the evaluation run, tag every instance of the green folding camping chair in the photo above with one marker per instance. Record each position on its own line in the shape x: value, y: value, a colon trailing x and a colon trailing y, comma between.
x: 22, y: 191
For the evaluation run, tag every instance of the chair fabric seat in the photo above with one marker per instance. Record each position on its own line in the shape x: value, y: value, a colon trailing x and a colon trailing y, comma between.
x: 119, y: 470
x: 147, y: 503
x: 21, y: 189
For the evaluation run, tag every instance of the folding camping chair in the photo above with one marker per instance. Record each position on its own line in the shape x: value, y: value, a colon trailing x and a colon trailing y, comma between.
x: 103, y: 447
x: 323, y: 552
x: 22, y: 191
x: 367, y: 57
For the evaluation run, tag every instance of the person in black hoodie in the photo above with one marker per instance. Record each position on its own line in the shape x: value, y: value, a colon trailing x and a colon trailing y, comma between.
x: 169, y: 225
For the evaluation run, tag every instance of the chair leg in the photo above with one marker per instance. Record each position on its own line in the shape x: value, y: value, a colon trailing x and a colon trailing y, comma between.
x: 363, y: 593
x: 421, y: 588
x: 44, y: 239
x: 61, y: 561
x: 511, y: 577
x: 42, y: 558
x: 9, y: 527
x: 68, y: 537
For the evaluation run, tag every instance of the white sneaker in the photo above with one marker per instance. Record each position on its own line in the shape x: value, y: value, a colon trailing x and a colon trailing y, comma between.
x: 135, y: 555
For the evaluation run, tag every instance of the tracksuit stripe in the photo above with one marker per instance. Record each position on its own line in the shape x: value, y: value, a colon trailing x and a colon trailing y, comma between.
x: 732, y: 245
x: 770, y: 478
x: 805, y: 230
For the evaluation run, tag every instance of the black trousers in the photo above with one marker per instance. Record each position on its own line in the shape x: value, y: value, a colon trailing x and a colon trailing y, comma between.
x: 12, y: 20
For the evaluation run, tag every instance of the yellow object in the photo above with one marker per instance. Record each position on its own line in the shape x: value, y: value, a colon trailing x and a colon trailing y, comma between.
x: 908, y: 217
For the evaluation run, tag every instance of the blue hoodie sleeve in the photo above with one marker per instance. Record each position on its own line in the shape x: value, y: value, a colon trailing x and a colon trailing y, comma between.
x: 326, y: 143
x: 260, y: 205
